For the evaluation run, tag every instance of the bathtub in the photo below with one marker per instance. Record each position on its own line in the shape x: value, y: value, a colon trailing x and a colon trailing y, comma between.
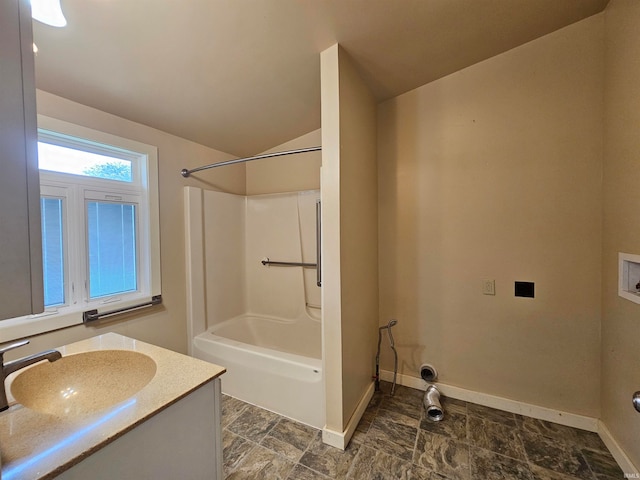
x: 272, y: 363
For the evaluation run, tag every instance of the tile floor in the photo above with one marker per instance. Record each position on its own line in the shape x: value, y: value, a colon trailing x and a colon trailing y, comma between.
x: 394, y: 441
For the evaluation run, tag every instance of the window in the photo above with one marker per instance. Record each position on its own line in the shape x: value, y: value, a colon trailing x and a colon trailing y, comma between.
x: 100, y: 227
x: 56, y: 245
x: 112, y: 246
x: 67, y: 159
x: 52, y: 250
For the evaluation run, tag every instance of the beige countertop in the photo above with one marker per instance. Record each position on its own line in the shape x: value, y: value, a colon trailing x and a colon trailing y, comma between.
x: 36, y: 445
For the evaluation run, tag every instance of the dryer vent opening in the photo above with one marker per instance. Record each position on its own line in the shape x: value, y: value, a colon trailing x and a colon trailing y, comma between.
x: 428, y: 373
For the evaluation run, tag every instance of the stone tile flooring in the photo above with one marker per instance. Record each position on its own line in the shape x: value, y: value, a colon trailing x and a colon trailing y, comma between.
x: 395, y: 441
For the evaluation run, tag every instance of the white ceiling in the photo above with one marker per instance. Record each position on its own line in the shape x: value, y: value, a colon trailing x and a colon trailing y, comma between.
x: 243, y: 76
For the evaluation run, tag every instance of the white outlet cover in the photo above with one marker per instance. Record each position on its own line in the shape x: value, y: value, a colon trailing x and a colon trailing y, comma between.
x: 488, y: 287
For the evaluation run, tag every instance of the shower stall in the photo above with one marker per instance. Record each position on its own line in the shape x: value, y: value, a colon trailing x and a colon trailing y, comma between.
x: 262, y: 321
x: 254, y: 299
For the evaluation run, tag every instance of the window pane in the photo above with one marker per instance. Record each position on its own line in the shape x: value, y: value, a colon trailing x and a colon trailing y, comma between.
x: 52, y: 251
x: 68, y: 160
x: 112, y: 248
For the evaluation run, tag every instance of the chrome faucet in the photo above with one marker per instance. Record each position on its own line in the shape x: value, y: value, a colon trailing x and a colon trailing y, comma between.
x: 8, y: 368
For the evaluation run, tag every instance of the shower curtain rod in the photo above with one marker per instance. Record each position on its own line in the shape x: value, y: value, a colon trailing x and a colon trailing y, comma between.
x: 185, y: 173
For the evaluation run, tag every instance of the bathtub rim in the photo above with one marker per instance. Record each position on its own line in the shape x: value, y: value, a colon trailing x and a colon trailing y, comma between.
x: 303, y: 317
x: 291, y: 358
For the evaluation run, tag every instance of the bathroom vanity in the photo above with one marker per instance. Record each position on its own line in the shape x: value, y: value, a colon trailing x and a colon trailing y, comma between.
x: 158, y: 419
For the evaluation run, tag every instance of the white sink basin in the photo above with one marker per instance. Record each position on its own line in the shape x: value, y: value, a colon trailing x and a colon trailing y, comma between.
x: 83, y: 383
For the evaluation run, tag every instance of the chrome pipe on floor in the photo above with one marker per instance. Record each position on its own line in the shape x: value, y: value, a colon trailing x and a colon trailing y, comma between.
x: 431, y: 401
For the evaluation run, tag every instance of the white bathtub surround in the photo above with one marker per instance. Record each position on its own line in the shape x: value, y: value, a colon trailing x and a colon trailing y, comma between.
x: 194, y: 264
x: 281, y: 227
x: 227, y: 237
x: 178, y: 401
x: 262, y: 322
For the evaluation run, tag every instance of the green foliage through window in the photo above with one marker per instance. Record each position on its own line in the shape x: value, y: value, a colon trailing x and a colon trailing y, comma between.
x: 111, y: 171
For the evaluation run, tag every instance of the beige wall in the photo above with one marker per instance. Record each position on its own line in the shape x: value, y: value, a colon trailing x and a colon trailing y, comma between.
x: 358, y: 233
x: 494, y: 172
x: 289, y: 173
x: 349, y: 235
x: 621, y: 233
x: 165, y: 325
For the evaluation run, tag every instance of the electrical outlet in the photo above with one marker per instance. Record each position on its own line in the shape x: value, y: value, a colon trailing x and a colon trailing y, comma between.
x: 488, y: 287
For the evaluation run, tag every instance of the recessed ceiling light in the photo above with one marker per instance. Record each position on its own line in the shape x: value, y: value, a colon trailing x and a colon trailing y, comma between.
x: 49, y: 12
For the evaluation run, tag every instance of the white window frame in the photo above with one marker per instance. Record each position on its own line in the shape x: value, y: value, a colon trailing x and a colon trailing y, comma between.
x: 142, y: 268
x: 142, y: 191
x: 67, y: 195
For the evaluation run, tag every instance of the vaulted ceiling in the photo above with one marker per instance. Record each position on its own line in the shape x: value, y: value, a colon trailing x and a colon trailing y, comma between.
x: 243, y: 76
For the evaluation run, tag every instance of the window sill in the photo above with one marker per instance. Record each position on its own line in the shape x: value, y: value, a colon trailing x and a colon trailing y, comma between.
x: 21, y: 327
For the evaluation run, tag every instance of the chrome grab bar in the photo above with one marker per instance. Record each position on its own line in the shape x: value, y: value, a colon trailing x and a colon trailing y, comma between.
x: 318, y: 244
x: 636, y: 401
x: 93, y: 315
x: 266, y: 261
x: 318, y: 264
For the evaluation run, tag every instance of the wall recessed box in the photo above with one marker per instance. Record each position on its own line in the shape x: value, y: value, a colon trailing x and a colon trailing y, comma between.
x: 629, y: 276
x: 525, y: 289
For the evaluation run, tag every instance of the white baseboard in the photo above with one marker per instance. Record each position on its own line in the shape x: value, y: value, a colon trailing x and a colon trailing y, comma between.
x: 542, y: 413
x: 627, y: 466
x: 341, y: 439
x: 513, y: 406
